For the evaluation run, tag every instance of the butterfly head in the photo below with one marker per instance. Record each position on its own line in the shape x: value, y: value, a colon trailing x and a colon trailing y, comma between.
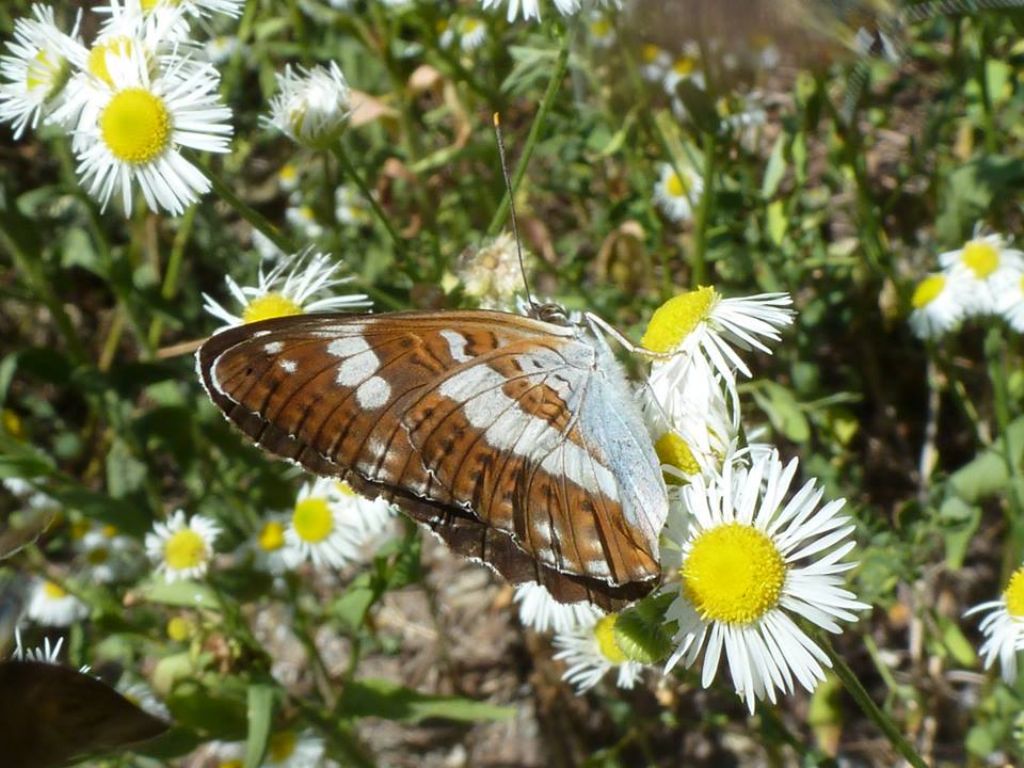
x: 549, y: 312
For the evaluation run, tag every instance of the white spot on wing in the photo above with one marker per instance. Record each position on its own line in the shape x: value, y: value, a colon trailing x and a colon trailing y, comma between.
x: 347, y: 346
x: 358, y: 368
x: 456, y: 346
x: 373, y: 393
x: 288, y: 365
x: 273, y: 347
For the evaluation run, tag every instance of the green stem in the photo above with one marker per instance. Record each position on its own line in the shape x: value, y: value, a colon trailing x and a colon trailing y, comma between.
x: 234, y: 67
x: 243, y: 209
x: 561, y: 65
x: 169, y: 287
x: 868, y: 707
x: 699, y: 261
x: 349, y: 170
x: 995, y: 347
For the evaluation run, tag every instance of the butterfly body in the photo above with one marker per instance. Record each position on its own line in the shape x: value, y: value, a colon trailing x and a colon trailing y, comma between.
x: 516, y: 440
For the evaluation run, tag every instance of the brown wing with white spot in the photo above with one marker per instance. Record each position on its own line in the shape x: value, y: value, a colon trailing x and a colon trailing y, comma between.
x: 448, y: 415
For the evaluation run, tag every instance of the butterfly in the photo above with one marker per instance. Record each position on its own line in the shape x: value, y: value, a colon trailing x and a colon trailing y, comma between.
x: 517, y: 440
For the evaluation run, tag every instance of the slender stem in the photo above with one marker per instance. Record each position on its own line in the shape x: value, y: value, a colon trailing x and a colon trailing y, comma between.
x: 868, y: 706
x: 561, y: 65
x: 995, y: 347
x: 247, y: 212
x: 699, y: 261
x: 349, y: 170
x: 169, y: 287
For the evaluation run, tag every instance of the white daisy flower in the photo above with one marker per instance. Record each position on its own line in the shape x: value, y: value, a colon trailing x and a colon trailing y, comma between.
x: 654, y: 62
x: 330, y: 525
x: 221, y: 48
x: 677, y: 194
x: 685, y: 66
x: 743, y: 560
x: 472, y: 32
x: 53, y: 606
x: 29, y: 494
x: 269, y: 544
x: 141, y: 125
x: 349, y: 207
x: 1010, y: 303
x: 303, y: 218
x: 700, y: 328
x: 1003, y: 627
x: 530, y: 8
x: 312, y: 106
x: 35, y: 72
x: 296, y: 285
x: 108, y: 554
x: 541, y: 612
x: 141, y: 695
x: 288, y: 177
x: 182, y: 549
x: 591, y: 651
x: 491, y: 274
x: 198, y: 8
x: 45, y: 653
x: 937, y: 307
x: 982, y: 269
x: 291, y: 749
x: 601, y: 31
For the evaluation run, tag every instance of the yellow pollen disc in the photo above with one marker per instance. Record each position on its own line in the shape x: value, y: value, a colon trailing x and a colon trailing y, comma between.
x: 230, y: 764
x: 149, y: 5
x: 345, y: 489
x: 674, y: 451
x: 271, y: 538
x: 649, y: 53
x: 927, y: 291
x: 282, y: 745
x: 675, y: 186
x: 97, y: 62
x: 601, y: 28
x: 684, y: 65
x: 179, y: 629
x: 12, y: 424
x: 79, y: 528
x: 604, y: 633
x: 268, y: 306
x: 469, y: 26
x: 313, y: 520
x: 185, y: 549
x: 677, y: 318
x: 734, y: 574
x: 1014, y: 594
x: 109, y: 531
x: 136, y: 126
x: 981, y: 258
x: 288, y: 172
x: 54, y: 591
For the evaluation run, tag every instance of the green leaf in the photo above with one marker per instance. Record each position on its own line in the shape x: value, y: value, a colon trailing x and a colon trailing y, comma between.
x: 960, y: 522
x: 391, y: 701
x: 782, y: 410
x: 778, y: 222
x: 986, y: 474
x: 775, y: 169
x: 351, y: 608
x: 959, y: 647
x: 259, y: 711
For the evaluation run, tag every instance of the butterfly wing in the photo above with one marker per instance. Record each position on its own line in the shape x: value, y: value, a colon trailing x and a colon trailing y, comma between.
x: 508, y: 437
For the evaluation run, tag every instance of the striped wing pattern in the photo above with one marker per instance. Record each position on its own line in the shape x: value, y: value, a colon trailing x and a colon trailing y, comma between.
x: 505, y: 435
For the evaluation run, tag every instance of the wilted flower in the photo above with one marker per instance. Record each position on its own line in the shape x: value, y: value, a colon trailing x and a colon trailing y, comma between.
x: 491, y: 274
x: 591, y: 651
x: 312, y: 106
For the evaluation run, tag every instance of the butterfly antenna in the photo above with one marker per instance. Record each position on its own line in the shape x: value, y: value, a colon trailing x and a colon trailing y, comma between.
x: 512, y: 206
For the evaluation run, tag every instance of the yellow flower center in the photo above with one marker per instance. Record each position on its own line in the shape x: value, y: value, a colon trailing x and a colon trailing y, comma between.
x: 604, y: 633
x: 79, y: 528
x: 600, y: 28
x: 98, y: 556
x: 109, y: 531
x: 282, y: 745
x: 312, y: 520
x: 12, y: 424
x: 675, y: 186
x: 269, y: 305
x: 179, y: 629
x: 136, y: 126
x: 185, y: 549
x: 149, y: 5
x: 271, y: 538
x: 677, y: 318
x: 649, y: 53
x: 927, y: 291
x: 288, y: 173
x: 47, y: 72
x: 97, y: 61
x: 981, y: 258
x: 469, y: 26
x: 734, y: 574
x: 54, y: 591
x: 230, y: 764
x: 1014, y: 594
x: 683, y: 66
x: 674, y: 451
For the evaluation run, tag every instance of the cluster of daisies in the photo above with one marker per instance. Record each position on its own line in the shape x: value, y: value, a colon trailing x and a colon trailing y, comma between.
x: 985, y: 278
x: 132, y: 101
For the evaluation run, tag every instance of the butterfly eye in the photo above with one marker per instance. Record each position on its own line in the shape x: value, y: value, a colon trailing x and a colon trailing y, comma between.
x: 551, y: 313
